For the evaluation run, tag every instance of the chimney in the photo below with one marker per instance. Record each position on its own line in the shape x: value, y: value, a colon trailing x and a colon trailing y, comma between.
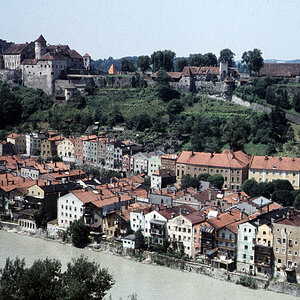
x: 211, y: 154
x: 288, y: 215
x: 193, y: 153
x: 268, y: 207
x: 272, y: 220
x: 230, y: 212
x: 55, y: 165
x: 241, y: 215
x: 209, y: 195
x: 239, y: 196
x: 119, y: 198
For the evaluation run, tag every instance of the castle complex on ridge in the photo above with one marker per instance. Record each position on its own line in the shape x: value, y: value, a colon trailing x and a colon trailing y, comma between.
x: 40, y: 65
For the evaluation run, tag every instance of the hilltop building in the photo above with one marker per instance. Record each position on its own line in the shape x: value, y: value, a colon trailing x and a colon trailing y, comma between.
x: 42, y: 64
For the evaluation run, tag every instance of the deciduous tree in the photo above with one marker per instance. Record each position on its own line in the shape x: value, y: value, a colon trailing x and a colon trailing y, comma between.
x: 226, y: 56
x: 254, y: 60
x: 143, y: 62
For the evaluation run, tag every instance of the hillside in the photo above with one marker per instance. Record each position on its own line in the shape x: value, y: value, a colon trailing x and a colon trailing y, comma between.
x: 172, y: 123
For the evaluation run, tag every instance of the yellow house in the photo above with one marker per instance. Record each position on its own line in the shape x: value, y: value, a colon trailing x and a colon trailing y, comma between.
x: 36, y: 192
x: 268, y: 168
x: 66, y: 148
x: 265, y: 235
x: 233, y: 166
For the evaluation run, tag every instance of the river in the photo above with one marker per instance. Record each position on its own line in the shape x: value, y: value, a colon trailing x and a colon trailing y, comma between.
x: 147, y: 281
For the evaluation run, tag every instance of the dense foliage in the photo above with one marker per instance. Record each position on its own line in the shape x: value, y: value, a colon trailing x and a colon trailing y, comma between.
x: 280, y: 191
x: 79, y: 233
x: 158, y: 117
x: 216, y: 180
x: 45, y: 280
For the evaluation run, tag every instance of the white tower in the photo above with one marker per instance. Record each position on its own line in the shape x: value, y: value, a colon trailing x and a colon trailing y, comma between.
x: 87, y: 61
x: 40, y: 47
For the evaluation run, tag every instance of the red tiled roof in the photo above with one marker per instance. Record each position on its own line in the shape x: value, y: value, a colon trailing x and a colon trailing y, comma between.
x: 29, y: 62
x: 196, y: 217
x: 173, y: 75
x: 86, y: 55
x: 280, y: 70
x: 226, y: 159
x: 275, y: 163
x: 225, y: 219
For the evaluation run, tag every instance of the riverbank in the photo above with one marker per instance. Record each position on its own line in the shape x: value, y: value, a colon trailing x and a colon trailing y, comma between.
x: 152, y: 258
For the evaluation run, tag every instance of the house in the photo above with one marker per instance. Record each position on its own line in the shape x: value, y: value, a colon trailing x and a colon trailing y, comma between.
x: 66, y: 149
x: 255, y: 247
x: 18, y: 141
x: 154, y: 164
x: 286, y: 245
x: 137, y: 218
x: 155, y: 227
x: 129, y: 242
x: 161, y: 178
x: 168, y: 161
x: 33, y: 143
x: 181, y: 228
x: 268, y: 168
x: 49, y: 146
x: 233, y: 166
x: 139, y: 162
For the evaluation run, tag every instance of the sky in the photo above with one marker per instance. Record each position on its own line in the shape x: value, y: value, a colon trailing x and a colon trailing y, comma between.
x: 119, y: 28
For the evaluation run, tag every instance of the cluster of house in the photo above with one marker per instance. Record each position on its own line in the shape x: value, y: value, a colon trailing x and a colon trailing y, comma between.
x: 163, y: 169
x: 223, y: 228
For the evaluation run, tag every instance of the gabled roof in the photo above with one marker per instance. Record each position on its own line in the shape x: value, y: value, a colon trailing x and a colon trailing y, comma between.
x: 13, y: 135
x: 86, y: 55
x: 275, y: 163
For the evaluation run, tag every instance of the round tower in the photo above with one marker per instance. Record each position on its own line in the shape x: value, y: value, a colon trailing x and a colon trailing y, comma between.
x: 87, y: 61
x: 40, y: 47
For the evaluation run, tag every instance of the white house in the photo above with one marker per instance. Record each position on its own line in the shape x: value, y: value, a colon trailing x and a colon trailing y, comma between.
x: 155, y: 227
x: 70, y: 206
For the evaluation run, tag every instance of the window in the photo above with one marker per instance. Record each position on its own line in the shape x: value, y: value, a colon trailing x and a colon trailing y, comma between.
x: 246, y: 247
x: 277, y: 250
x: 279, y: 240
x: 245, y: 238
x: 283, y: 251
x: 251, y: 257
x: 244, y: 256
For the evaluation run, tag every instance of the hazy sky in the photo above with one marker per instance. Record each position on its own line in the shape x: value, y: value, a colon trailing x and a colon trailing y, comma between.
x: 120, y: 28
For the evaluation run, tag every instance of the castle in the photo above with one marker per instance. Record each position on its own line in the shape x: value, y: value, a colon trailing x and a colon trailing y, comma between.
x: 40, y: 65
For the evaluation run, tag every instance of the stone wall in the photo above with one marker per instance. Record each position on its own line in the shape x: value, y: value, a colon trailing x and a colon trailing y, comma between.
x: 262, y: 108
x: 210, y: 87
x: 11, y: 76
x: 42, y: 82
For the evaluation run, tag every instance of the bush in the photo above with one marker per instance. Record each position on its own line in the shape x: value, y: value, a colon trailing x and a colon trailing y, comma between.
x: 247, y: 282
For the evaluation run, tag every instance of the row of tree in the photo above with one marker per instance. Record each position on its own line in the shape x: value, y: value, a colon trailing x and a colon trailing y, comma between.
x: 167, y: 60
x: 45, y: 280
x: 280, y: 191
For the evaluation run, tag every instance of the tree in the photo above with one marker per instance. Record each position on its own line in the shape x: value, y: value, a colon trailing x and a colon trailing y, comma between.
x: 189, y: 181
x: 127, y: 65
x: 296, y: 102
x: 226, y: 56
x: 44, y: 280
x: 143, y: 62
x: 175, y: 107
x: 139, y: 239
x: 235, y: 133
x: 86, y: 280
x: 254, y: 60
x: 216, y: 180
x: 162, y: 77
x: 79, y: 233
x: 280, y: 184
x: 196, y: 60
x: 283, y: 197
x: 210, y: 59
x: 296, y: 203
x: 251, y: 187
x: 180, y: 64
x: 162, y: 59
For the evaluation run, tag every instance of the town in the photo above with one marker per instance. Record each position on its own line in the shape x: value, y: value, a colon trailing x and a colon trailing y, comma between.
x: 223, y: 209
x: 218, y: 225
